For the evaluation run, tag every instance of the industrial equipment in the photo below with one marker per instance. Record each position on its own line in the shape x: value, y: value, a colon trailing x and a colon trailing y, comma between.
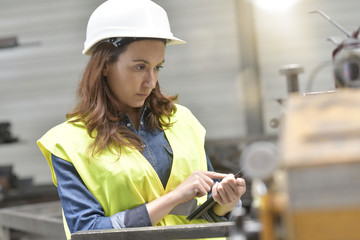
x: 307, y: 184
x: 346, y: 56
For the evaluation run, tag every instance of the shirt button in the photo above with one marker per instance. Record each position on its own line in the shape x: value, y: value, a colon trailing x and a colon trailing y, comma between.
x: 128, y: 125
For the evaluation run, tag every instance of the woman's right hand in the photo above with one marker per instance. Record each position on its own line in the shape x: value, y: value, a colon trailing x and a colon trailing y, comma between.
x: 197, y: 184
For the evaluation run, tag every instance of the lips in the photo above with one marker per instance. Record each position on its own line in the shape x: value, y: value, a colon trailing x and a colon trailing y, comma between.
x: 142, y: 95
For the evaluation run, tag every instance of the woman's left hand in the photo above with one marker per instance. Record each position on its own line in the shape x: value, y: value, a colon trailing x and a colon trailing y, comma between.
x: 227, y: 193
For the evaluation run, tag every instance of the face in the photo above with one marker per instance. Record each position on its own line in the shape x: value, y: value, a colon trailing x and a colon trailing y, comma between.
x: 135, y: 74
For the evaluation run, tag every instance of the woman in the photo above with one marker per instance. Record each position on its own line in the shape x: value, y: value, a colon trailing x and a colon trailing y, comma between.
x: 127, y: 155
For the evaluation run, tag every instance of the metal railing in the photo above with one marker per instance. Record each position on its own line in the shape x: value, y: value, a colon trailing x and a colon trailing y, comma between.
x: 189, y: 231
x: 44, y: 219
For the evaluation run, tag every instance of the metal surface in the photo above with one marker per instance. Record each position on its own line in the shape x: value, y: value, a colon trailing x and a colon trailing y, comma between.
x: 291, y: 72
x: 43, y: 219
x: 346, y: 32
x: 189, y: 231
x: 346, y: 56
x: 8, y: 42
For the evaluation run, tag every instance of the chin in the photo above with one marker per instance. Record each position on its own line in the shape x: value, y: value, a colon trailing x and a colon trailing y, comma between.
x: 139, y: 105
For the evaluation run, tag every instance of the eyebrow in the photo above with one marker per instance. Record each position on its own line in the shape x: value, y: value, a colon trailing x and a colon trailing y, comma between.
x: 147, y: 62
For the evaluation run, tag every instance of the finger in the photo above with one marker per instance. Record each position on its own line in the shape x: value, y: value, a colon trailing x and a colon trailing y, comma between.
x: 197, y: 194
x: 240, y: 182
x: 217, y: 175
x: 216, y: 195
x: 201, y: 186
x: 205, y: 186
x: 229, y: 193
x: 219, y: 193
x: 234, y: 182
x: 240, y: 186
x: 229, y: 180
x: 222, y: 193
x: 234, y: 188
x: 206, y: 181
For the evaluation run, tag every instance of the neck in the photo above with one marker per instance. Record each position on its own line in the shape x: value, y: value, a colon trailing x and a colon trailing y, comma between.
x: 135, y: 115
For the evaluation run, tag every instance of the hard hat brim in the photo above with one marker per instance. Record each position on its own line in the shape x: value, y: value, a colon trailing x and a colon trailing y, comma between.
x: 171, y: 40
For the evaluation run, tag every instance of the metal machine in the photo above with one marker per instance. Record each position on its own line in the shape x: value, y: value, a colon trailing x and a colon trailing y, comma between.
x: 307, y: 184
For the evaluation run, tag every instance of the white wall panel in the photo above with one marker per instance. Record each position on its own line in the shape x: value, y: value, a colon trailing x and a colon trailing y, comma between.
x: 204, y: 71
x: 39, y: 78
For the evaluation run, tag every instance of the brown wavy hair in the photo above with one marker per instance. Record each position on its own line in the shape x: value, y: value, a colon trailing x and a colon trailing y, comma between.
x: 97, y: 107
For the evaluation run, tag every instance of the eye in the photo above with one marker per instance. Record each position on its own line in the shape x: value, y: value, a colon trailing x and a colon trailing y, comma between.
x: 140, y: 67
x: 158, y: 68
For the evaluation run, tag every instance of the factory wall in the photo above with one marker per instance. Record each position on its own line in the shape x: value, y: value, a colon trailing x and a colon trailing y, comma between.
x: 38, y: 79
x: 204, y: 70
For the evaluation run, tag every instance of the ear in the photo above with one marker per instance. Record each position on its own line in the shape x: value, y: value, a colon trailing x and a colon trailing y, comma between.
x: 106, y: 69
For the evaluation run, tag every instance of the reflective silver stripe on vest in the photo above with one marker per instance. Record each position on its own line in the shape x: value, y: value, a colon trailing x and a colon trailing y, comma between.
x: 185, y: 208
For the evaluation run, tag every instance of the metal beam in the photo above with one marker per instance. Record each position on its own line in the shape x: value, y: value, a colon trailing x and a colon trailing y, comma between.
x: 188, y: 231
x: 42, y: 219
x: 250, y: 68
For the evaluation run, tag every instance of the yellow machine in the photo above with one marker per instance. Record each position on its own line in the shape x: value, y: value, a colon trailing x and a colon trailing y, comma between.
x: 320, y: 154
x: 308, y: 187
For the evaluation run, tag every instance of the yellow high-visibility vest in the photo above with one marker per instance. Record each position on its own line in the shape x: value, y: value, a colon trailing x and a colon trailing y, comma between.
x: 124, y: 183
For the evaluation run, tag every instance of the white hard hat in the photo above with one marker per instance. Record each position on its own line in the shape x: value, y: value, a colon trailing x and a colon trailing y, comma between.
x: 128, y: 18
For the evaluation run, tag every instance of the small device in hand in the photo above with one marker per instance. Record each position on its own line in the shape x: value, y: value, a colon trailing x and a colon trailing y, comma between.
x: 207, y: 204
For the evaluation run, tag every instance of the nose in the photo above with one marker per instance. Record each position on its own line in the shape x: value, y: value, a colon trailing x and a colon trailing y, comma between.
x: 151, y: 79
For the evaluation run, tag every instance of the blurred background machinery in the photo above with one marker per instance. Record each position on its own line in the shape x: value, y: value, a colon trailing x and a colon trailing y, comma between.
x: 307, y: 184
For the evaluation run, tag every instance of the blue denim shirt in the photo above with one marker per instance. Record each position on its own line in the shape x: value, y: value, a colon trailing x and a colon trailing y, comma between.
x: 83, y: 211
